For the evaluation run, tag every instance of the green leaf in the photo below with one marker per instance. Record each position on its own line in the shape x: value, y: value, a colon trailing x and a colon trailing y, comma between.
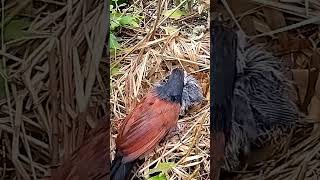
x: 114, y: 20
x: 129, y: 20
x: 169, y: 29
x: 15, y: 29
x: 114, y: 42
x: 114, y: 25
x: 158, y: 177
x: 174, y: 14
x: 115, y: 70
x: 163, y: 167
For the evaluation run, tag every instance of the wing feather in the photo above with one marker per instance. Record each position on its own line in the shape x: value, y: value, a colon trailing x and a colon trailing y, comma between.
x: 146, y: 125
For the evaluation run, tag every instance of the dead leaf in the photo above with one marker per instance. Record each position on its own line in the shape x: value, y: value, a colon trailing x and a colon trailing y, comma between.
x: 300, y: 77
x: 260, y: 25
x: 275, y: 20
x: 302, y: 61
x: 317, y: 88
x: 314, y: 108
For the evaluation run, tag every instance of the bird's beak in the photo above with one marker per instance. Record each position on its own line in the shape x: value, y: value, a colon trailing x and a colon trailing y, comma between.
x: 177, y: 75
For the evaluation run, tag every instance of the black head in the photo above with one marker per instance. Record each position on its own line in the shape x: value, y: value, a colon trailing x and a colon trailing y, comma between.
x: 172, y: 89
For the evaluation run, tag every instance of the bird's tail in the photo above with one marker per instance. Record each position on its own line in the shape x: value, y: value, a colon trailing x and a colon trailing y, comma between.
x: 120, y: 170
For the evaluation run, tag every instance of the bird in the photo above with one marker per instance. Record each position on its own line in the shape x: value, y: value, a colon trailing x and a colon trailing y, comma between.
x: 253, y: 102
x: 222, y: 79
x: 263, y: 103
x: 153, y: 119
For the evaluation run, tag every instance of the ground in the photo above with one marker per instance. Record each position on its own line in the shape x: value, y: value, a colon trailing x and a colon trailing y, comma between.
x: 52, y: 93
x: 181, y: 42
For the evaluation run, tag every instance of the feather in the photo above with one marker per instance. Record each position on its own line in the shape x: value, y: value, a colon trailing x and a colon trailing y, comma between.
x: 146, y: 126
x: 263, y: 102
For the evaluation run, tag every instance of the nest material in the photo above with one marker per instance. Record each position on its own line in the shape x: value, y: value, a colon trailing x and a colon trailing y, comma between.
x: 29, y: 135
x: 148, y: 64
x: 288, y: 29
x: 140, y: 71
x: 54, y: 90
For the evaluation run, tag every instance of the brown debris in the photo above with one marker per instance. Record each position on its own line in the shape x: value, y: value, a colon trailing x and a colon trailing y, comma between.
x: 290, y: 30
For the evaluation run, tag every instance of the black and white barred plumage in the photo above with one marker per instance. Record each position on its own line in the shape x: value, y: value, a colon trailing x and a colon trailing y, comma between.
x: 192, y: 92
x: 263, y: 106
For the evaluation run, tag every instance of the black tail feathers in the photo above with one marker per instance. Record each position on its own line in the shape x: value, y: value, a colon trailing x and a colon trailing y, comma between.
x: 120, y: 170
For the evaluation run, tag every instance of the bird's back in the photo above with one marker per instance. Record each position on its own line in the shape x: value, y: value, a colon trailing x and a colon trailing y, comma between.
x: 146, y: 126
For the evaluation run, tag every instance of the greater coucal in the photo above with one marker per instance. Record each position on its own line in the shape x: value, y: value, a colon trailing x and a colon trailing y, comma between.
x: 252, y: 99
x: 152, y: 119
x: 264, y: 105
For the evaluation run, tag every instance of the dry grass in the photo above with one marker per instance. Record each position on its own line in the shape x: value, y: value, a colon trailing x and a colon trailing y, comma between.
x: 269, y: 23
x: 289, y: 29
x: 54, y: 91
x: 52, y: 83
x: 147, y: 64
